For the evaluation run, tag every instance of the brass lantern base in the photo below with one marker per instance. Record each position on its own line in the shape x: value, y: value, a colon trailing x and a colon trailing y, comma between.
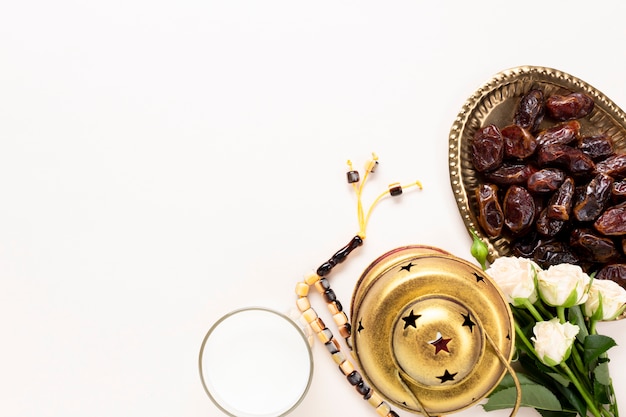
x: 431, y: 332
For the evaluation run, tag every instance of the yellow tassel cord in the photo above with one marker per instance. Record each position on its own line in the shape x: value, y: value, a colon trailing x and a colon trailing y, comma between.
x: 362, y: 215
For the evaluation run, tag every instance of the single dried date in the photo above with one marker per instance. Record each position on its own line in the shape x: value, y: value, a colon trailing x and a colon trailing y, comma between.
x: 594, y: 198
x: 560, y: 204
x: 614, y: 272
x: 570, y: 106
x: 596, y: 146
x: 524, y: 246
x: 530, y: 110
x: 574, y: 160
x: 519, y: 209
x: 490, y: 215
x: 619, y: 190
x: 554, y: 253
x: 487, y: 148
x: 546, y: 226
x: 563, y: 133
x: 613, y: 221
x: 592, y: 247
x: 614, y: 166
x: 545, y: 180
x: 519, y: 143
x: 508, y: 174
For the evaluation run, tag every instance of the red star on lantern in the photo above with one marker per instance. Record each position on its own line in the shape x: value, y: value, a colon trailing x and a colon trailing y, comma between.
x: 440, y: 343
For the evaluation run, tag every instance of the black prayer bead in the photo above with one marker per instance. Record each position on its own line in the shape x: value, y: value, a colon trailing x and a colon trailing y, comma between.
x: 324, y: 284
x: 395, y: 190
x: 363, y: 388
x: 339, y: 306
x: 339, y: 256
x: 324, y: 269
x: 392, y: 414
x: 353, y: 176
x: 330, y: 296
x: 354, y: 378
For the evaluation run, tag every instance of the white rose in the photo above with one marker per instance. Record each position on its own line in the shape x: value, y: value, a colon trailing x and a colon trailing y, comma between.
x: 516, y: 278
x: 563, y: 285
x: 553, y: 340
x: 607, y: 300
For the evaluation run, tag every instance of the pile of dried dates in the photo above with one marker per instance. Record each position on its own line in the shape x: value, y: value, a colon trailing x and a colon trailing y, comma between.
x: 558, y: 195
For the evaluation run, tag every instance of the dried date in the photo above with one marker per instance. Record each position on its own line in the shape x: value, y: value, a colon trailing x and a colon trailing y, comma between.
x: 593, y: 247
x: 574, y: 160
x: 519, y: 209
x: 487, y: 148
x: 519, y: 143
x: 614, y: 166
x: 570, y: 106
x: 524, y: 246
x: 530, y: 110
x: 613, y: 221
x: 563, y: 133
x: 554, y: 253
x: 545, y: 180
x: 547, y: 226
x: 614, y: 272
x: 596, y: 146
x: 619, y: 190
x: 560, y: 204
x: 508, y: 174
x: 594, y: 199
x: 490, y: 215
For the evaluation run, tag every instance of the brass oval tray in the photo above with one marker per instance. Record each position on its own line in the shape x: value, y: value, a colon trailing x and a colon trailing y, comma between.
x: 495, y: 102
x: 428, y: 329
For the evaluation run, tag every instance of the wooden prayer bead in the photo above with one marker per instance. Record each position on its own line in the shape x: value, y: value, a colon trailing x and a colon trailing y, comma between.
x: 325, y: 335
x: 317, y: 325
x: 383, y: 409
x: 303, y: 303
x: 346, y: 367
x: 309, y: 315
x: 311, y: 278
x: 302, y: 289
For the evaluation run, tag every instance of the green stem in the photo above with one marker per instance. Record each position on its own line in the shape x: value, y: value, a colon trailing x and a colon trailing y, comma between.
x: 560, y: 312
x: 524, y: 339
x: 531, y: 308
x: 578, y: 361
x: 590, y: 404
x: 542, y: 309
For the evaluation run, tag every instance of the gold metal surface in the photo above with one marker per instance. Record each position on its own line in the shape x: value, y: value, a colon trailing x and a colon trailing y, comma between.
x: 495, y: 102
x: 426, y: 327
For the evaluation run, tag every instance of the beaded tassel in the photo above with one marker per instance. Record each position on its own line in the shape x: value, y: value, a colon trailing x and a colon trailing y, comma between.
x: 319, y: 281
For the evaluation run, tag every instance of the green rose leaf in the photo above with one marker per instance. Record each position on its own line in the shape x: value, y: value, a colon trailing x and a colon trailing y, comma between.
x: 595, y: 345
x: 601, y: 393
x: 601, y: 373
x: 564, y: 413
x: 533, y: 395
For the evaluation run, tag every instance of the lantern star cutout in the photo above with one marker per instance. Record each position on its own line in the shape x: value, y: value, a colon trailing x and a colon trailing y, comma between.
x: 407, y: 267
x: 360, y: 327
x: 447, y: 376
x: 410, y: 320
x: 440, y: 344
x: 468, y: 322
x: 479, y: 277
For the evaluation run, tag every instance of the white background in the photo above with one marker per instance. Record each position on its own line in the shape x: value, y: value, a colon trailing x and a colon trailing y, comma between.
x: 165, y: 162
